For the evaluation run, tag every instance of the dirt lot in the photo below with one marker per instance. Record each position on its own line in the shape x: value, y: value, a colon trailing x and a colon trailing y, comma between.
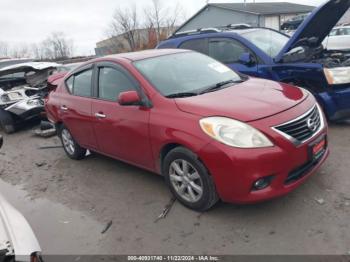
x: 69, y: 204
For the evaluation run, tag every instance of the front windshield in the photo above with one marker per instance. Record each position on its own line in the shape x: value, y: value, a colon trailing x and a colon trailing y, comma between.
x: 184, y: 72
x: 269, y: 41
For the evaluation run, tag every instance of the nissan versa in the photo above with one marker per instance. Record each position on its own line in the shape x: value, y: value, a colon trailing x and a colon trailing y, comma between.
x: 299, y: 60
x: 212, y: 133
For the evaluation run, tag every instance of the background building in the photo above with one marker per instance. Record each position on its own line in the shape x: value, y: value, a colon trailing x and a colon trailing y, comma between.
x: 270, y: 15
x: 144, y: 38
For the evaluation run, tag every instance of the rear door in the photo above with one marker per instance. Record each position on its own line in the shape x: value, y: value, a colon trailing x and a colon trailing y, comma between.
x: 122, y: 131
x: 76, y: 107
x: 229, y: 52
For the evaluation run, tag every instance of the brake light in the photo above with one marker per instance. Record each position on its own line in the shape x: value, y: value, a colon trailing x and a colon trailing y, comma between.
x: 36, y: 257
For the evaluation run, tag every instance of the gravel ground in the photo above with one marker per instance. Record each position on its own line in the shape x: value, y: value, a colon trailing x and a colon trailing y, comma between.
x: 70, y: 203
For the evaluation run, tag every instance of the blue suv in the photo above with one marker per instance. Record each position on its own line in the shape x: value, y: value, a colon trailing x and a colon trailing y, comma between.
x: 299, y: 60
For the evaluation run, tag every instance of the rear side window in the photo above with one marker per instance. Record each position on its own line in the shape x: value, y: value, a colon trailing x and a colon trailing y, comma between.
x: 226, y: 51
x: 112, y: 82
x: 199, y: 45
x: 80, y: 83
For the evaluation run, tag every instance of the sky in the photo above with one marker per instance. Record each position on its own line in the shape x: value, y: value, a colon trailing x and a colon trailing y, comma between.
x: 83, y: 21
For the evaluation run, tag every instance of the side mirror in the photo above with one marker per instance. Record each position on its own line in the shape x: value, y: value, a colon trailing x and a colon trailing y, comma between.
x: 129, y: 98
x: 246, y: 59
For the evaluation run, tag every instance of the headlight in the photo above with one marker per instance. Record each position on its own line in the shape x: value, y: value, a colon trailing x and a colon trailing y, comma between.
x: 34, y: 102
x: 336, y: 76
x: 234, y: 133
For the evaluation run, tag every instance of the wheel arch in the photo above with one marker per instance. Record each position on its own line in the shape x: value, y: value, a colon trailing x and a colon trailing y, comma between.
x: 166, y: 148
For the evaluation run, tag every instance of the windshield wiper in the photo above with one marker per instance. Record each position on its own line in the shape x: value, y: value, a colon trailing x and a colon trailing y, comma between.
x: 184, y: 94
x: 220, y: 85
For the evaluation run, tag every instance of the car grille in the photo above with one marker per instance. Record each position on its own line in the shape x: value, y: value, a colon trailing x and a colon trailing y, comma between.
x: 304, y: 127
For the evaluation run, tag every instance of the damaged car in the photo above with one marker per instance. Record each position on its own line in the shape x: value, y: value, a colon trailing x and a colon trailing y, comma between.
x: 22, y: 89
x: 299, y: 60
x: 17, y: 240
x: 212, y: 133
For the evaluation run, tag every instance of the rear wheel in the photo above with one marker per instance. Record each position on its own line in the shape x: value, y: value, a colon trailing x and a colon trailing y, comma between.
x: 70, y: 146
x: 7, y: 122
x: 189, y: 180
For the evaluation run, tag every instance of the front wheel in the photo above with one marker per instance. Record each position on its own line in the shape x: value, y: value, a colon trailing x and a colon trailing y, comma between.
x: 189, y: 180
x: 70, y: 146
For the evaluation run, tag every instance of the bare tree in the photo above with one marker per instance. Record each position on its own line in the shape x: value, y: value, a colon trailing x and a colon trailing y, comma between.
x: 20, y: 51
x: 4, y: 50
x: 56, y: 46
x: 125, y: 22
x: 163, y: 19
x: 176, y: 17
x: 59, y: 45
x: 155, y: 16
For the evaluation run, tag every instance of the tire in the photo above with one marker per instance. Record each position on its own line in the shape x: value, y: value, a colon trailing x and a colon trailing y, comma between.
x: 70, y: 146
x: 197, y: 177
x: 7, y: 122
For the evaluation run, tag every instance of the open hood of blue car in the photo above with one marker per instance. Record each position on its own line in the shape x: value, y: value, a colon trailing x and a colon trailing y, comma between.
x: 316, y: 26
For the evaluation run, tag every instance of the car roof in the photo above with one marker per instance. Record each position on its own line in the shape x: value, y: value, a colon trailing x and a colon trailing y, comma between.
x: 219, y: 32
x: 140, y: 55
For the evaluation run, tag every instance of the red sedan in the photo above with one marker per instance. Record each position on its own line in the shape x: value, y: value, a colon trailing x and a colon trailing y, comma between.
x: 212, y: 133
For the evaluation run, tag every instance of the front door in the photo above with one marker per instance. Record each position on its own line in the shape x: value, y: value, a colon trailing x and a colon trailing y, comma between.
x: 229, y: 51
x: 121, y: 131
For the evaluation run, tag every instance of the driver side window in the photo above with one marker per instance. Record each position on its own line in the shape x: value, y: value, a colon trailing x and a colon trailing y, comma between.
x: 112, y: 82
x: 227, y: 51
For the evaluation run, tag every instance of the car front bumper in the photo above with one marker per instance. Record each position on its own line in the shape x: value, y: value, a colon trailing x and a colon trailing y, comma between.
x: 336, y: 103
x: 236, y: 170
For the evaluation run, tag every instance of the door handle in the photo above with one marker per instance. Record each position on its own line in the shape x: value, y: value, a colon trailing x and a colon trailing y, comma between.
x: 100, y: 115
x: 64, y: 108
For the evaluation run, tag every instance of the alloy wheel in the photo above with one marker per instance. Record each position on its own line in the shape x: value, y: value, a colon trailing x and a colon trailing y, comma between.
x: 68, y: 141
x: 186, y: 180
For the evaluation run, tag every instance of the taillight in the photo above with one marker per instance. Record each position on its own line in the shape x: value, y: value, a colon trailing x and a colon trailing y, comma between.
x: 36, y: 257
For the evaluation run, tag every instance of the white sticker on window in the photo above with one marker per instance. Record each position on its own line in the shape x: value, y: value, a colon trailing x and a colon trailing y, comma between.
x: 219, y: 67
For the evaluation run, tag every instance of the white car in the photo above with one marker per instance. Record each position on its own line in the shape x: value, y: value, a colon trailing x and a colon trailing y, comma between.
x: 338, y: 39
x: 17, y: 240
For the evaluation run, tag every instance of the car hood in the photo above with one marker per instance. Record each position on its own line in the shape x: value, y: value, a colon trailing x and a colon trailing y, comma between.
x: 317, y: 25
x: 16, y: 236
x: 27, y: 67
x: 248, y: 101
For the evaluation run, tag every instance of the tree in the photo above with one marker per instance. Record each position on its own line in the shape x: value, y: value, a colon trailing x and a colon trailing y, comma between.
x: 4, y: 50
x: 125, y: 23
x: 59, y: 45
x: 20, y: 51
x: 56, y: 46
x: 162, y: 19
